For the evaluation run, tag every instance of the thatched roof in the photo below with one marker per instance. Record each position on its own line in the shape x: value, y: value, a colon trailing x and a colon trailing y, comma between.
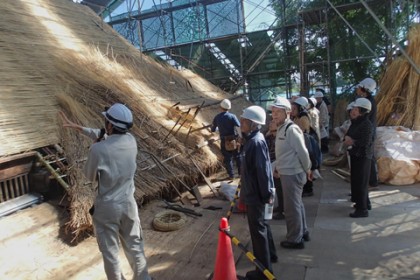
x: 57, y: 55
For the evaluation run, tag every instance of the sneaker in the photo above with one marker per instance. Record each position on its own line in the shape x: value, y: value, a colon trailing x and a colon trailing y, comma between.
x: 306, y: 236
x: 292, y: 245
x: 359, y: 214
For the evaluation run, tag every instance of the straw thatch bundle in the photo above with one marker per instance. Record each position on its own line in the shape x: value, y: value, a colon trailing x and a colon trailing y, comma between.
x: 398, y: 98
x: 398, y: 101
x: 57, y: 55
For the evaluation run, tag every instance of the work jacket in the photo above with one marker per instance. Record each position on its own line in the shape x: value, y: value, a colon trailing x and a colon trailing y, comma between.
x: 361, y: 131
x: 292, y: 156
x: 257, y: 185
x: 226, y: 123
x: 112, y: 163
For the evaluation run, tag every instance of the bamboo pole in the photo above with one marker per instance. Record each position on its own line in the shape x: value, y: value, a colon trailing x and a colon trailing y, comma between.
x: 53, y: 172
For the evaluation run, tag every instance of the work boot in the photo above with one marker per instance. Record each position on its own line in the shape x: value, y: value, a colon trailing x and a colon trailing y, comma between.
x: 359, y: 214
x: 307, y: 193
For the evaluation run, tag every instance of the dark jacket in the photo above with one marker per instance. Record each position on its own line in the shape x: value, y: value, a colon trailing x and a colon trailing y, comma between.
x: 226, y: 123
x: 361, y: 131
x: 372, y: 113
x: 256, y: 173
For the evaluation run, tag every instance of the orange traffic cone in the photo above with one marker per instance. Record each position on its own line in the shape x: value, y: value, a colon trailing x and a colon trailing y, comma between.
x: 225, y: 264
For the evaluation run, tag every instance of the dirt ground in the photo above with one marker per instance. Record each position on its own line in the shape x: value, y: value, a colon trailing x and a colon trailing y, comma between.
x: 32, y: 246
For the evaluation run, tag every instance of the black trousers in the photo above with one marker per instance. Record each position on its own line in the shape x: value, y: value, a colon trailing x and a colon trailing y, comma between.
x: 259, y: 234
x: 279, y: 194
x: 271, y: 246
x: 308, y: 187
x: 359, y: 177
x: 324, y: 144
x: 373, y: 178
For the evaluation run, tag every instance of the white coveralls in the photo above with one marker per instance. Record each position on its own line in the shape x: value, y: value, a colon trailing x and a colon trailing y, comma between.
x: 113, y: 163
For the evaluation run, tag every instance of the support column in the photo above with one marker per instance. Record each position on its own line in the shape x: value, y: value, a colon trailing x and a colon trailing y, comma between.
x: 304, y: 82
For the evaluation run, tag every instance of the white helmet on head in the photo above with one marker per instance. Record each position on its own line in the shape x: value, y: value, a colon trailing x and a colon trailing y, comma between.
x: 225, y: 104
x: 302, y: 101
x: 350, y: 106
x: 368, y: 83
x: 282, y: 103
x: 120, y: 116
x: 318, y: 94
x: 363, y: 103
x: 313, y: 100
x: 255, y: 114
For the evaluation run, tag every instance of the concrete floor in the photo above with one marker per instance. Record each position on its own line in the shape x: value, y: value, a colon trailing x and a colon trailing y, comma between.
x: 385, y: 245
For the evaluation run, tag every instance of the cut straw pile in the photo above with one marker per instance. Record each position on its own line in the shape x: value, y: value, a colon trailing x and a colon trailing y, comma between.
x: 398, y: 99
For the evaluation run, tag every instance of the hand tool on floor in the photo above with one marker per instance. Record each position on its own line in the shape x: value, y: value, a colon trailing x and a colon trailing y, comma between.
x: 341, y: 176
x: 179, y: 208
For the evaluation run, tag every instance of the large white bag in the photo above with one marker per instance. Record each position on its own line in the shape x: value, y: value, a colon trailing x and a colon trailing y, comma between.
x: 397, y: 150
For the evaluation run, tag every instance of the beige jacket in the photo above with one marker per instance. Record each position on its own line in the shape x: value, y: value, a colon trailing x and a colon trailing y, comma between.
x: 292, y: 157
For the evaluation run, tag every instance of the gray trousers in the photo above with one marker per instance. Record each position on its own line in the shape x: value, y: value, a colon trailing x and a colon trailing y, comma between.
x: 294, y: 210
x: 116, y: 222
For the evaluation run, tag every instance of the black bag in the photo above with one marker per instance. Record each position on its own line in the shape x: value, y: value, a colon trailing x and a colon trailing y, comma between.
x: 314, y: 151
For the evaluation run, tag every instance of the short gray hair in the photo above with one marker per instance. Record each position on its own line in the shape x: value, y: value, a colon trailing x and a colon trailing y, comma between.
x: 255, y: 126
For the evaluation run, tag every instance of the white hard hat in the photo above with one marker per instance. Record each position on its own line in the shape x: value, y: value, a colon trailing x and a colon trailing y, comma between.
x: 368, y: 84
x: 120, y: 116
x: 318, y: 94
x: 363, y: 103
x: 282, y: 103
x: 255, y: 114
x: 350, y: 106
x: 225, y: 104
x: 302, y: 101
x: 313, y: 100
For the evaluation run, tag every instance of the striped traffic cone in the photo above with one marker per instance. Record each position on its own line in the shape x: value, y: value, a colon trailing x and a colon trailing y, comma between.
x: 225, y: 264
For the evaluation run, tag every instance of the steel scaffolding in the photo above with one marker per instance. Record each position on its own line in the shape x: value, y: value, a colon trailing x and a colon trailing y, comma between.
x: 211, y: 38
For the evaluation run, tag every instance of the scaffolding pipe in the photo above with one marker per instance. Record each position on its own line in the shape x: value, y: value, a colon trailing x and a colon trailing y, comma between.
x: 410, y: 60
x: 355, y: 32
